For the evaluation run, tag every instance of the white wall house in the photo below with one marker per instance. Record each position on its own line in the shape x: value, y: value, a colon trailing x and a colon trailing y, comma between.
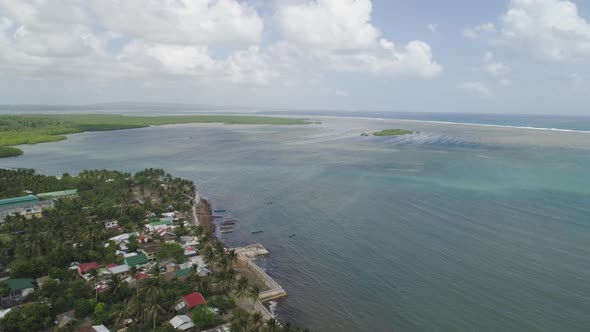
x: 111, y: 224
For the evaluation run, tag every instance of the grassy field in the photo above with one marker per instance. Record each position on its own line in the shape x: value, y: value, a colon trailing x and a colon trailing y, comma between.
x: 32, y: 129
x: 392, y: 132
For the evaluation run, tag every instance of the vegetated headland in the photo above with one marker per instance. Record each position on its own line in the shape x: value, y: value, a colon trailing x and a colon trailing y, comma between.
x: 393, y: 132
x: 38, y: 128
x: 121, y: 251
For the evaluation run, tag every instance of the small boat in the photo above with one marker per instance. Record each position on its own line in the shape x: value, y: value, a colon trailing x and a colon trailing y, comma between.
x: 227, y: 227
x: 268, y: 203
x: 226, y: 231
x: 292, y: 235
x: 219, y: 211
x: 216, y: 217
x: 231, y: 220
x: 228, y: 222
x: 258, y: 231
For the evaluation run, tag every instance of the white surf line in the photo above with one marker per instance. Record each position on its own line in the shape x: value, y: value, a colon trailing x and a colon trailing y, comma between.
x: 450, y: 123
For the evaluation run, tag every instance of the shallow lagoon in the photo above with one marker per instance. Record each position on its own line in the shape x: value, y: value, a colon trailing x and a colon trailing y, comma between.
x: 457, y: 228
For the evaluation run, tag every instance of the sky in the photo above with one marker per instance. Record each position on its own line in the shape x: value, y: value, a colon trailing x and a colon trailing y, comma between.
x: 512, y: 56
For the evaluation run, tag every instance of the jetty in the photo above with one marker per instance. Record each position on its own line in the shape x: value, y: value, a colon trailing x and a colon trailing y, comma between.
x: 252, y: 250
x: 272, y: 289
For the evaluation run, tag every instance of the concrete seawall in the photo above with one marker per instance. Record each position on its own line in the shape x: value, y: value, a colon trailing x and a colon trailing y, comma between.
x: 274, y: 290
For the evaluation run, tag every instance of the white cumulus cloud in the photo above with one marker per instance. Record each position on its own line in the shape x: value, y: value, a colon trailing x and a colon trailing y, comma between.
x: 340, y: 34
x: 182, y: 21
x: 208, y: 41
x: 550, y: 30
x: 329, y: 24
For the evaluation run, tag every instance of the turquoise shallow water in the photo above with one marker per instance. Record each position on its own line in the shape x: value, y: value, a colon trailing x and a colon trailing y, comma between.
x: 458, y: 228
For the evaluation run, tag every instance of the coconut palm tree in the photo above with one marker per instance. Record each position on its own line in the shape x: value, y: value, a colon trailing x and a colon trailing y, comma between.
x: 155, y: 306
x: 226, y: 279
x: 200, y: 283
x: 253, y: 292
x: 153, y: 310
x: 94, y: 274
x: 222, y: 262
x: 33, y: 243
x: 123, y: 312
x: 232, y: 256
x: 208, y: 255
x: 241, y: 287
x: 240, y: 321
x: 256, y: 319
x: 116, y: 287
x: 152, y: 288
x: 219, y: 249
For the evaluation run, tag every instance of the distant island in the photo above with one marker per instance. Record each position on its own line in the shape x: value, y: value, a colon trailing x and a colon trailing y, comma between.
x: 110, y: 251
x: 39, y: 128
x: 393, y: 132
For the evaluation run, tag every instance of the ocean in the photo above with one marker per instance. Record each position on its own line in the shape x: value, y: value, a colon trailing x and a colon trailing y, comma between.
x: 455, y: 228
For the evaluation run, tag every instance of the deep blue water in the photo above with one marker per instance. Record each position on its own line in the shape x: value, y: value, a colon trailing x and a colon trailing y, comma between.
x: 457, y: 228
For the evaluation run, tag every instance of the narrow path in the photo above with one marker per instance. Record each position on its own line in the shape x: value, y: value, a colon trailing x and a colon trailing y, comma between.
x: 195, y: 217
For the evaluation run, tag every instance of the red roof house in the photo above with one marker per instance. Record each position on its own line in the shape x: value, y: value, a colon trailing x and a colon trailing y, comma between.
x: 84, y: 268
x: 193, y: 299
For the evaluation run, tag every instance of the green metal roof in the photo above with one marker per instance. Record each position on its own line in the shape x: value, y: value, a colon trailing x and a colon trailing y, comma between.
x: 183, y: 273
x: 159, y: 223
x: 60, y: 193
x: 139, y: 259
x: 19, y: 284
x: 17, y: 201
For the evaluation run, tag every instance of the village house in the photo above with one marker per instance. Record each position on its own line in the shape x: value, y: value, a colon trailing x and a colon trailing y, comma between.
x: 168, y: 214
x: 101, y: 286
x: 220, y: 328
x: 94, y: 328
x: 27, y: 206
x: 190, y: 251
x: 169, y: 276
x: 110, y: 224
x: 189, y: 240
x: 123, y: 237
x: 150, y: 249
x: 182, y: 274
x: 158, y: 225
x: 64, y: 319
x: 19, y: 288
x: 182, y: 322
x: 118, y: 270
x: 58, y: 194
x: 136, y: 260
x: 167, y: 265
x: 42, y: 280
x: 190, y: 301
x: 86, y: 267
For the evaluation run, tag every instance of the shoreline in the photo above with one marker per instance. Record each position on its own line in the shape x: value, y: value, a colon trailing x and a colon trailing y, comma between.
x: 246, y: 260
x: 16, y: 130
